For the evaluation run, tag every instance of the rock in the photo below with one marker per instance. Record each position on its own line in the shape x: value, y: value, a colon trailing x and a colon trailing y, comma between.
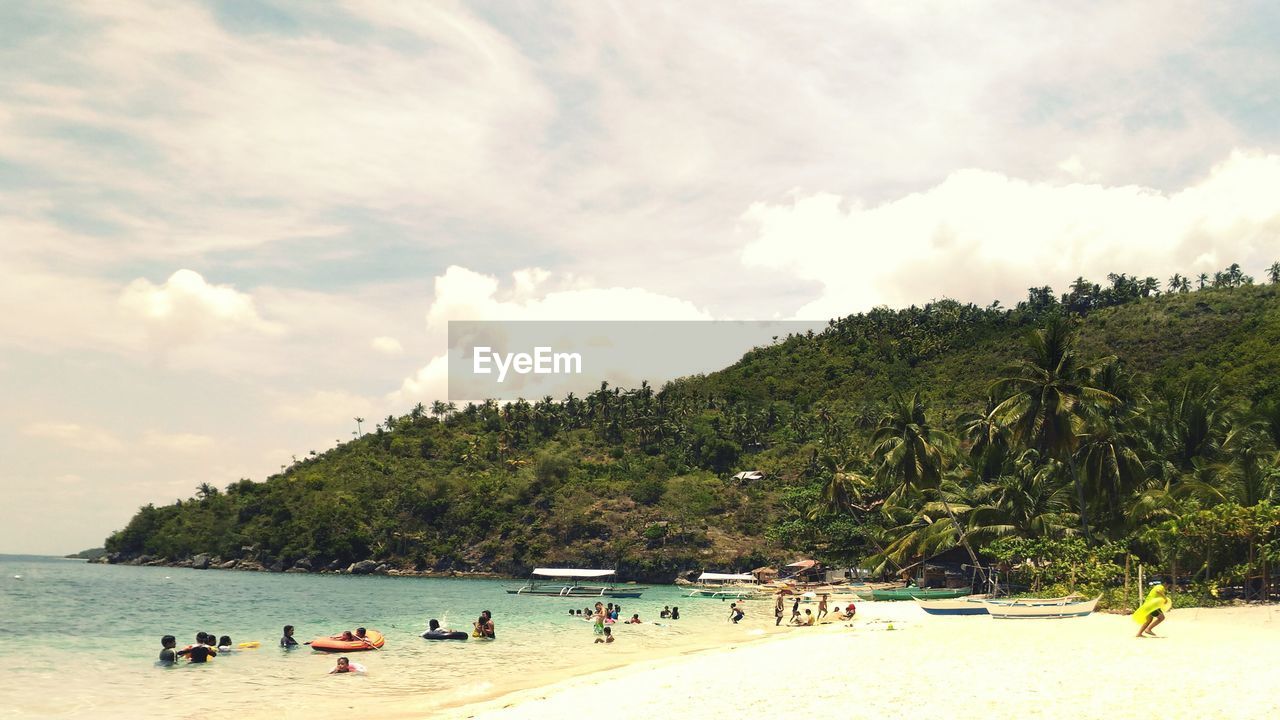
x: 302, y: 564
x: 295, y: 569
x: 364, y: 567
x: 229, y: 565
x: 277, y: 566
x: 382, y: 568
x: 200, y: 562
x: 251, y: 565
x: 183, y: 563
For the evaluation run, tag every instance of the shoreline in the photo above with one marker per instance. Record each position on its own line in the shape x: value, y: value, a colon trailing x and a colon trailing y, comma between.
x: 1207, y: 662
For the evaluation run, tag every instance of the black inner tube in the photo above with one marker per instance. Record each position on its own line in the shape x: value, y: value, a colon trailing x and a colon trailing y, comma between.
x: 442, y: 635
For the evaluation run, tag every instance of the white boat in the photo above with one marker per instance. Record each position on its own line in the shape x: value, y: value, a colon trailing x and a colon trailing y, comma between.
x: 563, y: 584
x: 1040, y: 609
x: 954, y: 606
x: 725, y: 586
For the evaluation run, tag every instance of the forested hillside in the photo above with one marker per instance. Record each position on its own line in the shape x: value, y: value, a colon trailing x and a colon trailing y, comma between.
x: 1112, y: 421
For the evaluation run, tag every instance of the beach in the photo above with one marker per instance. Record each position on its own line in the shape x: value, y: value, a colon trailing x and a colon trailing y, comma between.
x: 1209, y: 663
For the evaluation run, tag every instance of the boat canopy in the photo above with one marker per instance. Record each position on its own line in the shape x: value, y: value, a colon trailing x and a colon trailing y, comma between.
x: 570, y: 572
x: 726, y: 576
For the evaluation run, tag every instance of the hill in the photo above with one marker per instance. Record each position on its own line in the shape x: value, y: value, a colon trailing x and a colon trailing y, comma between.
x: 641, y: 479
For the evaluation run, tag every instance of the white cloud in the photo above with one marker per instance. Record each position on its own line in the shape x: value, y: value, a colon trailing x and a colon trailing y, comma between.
x: 387, y: 345
x: 73, y: 435
x: 981, y: 235
x: 188, y: 309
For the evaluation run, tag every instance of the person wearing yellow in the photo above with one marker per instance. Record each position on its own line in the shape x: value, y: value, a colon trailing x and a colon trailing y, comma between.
x: 1151, y: 612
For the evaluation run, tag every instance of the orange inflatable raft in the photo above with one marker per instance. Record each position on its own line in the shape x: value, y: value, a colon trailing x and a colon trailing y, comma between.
x: 373, y: 640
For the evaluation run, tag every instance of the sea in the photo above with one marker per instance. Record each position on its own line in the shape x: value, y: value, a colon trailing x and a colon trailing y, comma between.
x: 82, y: 640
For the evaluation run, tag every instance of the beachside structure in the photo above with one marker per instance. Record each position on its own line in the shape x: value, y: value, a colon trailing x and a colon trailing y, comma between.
x: 726, y: 586
x: 564, y: 582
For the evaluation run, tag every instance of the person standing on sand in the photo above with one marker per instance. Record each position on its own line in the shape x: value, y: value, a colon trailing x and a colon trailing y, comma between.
x: 822, y: 606
x: 777, y: 611
x: 795, y: 609
x: 1151, y: 612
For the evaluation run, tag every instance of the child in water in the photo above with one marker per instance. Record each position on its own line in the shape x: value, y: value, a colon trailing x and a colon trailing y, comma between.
x: 201, y: 651
x: 608, y: 636
x: 168, y: 655
x: 346, y: 666
x: 735, y: 613
x: 224, y: 643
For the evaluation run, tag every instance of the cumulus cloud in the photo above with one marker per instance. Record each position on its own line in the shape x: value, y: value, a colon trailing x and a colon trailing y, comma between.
x: 982, y: 235
x: 186, y: 309
x: 77, y: 436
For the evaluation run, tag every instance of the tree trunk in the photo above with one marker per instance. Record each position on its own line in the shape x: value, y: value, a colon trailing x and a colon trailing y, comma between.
x: 964, y: 541
x: 1126, y: 574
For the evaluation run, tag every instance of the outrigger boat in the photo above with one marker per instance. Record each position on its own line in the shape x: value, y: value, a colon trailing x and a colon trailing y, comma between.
x: 954, y: 606
x: 916, y: 593
x: 564, y: 586
x: 725, y: 586
x: 1041, y: 609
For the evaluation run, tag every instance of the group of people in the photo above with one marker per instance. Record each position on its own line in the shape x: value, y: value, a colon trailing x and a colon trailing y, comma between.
x: 206, y: 647
x: 809, y: 618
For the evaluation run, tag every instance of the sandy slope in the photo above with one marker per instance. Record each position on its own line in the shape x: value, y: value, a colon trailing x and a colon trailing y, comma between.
x: 1219, y: 663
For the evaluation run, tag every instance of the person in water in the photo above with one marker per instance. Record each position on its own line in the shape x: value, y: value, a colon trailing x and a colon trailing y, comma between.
x: 347, y: 636
x: 168, y: 655
x: 735, y: 613
x: 1151, y: 612
x: 346, y: 666
x: 675, y: 613
x: 666, y: 612
x: 635, y: 619
x: 224, y: 643
x: 777, y: 611
x: 201, y: 651
x: 286, y: 640
x: 607, y: 637
x: 484, y: 626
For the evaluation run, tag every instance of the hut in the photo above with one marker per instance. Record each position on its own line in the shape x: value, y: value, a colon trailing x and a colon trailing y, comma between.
x: 949, y: 569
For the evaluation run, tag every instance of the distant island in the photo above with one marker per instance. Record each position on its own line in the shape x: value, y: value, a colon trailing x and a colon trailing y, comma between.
x: 1069, y: 439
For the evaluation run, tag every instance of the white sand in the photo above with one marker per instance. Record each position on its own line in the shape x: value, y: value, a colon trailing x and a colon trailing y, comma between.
x: 1211, y: 663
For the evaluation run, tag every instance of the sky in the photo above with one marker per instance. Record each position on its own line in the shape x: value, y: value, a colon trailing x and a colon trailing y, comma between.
x: 226, y: 228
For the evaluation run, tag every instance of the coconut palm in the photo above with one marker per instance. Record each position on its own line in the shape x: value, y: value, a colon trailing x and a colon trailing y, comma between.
x: 1045, y: 398
x: 1273, y: 273
x: 908, y: 453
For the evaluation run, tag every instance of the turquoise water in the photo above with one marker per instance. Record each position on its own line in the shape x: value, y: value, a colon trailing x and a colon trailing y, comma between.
x: 81, y: 640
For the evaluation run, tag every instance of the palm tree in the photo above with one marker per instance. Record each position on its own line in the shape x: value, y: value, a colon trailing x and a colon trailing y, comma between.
x: 1273, y: 273
x: 1179, y: 284
x: 359, y: 432
x: 1202, y: 280
x: 1028, y: 502
x: 1045, y: 397
x: 908, y: 452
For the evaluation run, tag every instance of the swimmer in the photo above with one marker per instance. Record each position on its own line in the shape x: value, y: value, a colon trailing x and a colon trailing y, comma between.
x: 675, y: 613
x: 168, y: 655
x: 224, y: 643
x: 666, y: 612
x: 286, y: 640
x: 201, y: 651
x: 346, y: 666
x: 635, y: 620
x: 608, y: 636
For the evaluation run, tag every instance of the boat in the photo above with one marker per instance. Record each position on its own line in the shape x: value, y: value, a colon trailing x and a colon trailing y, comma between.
x: 725, y: 586
x: 1040, y: 608
x: 373, y: 640
x: 954, y: 606
x: 916, y: 593
x: 562, y: 584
